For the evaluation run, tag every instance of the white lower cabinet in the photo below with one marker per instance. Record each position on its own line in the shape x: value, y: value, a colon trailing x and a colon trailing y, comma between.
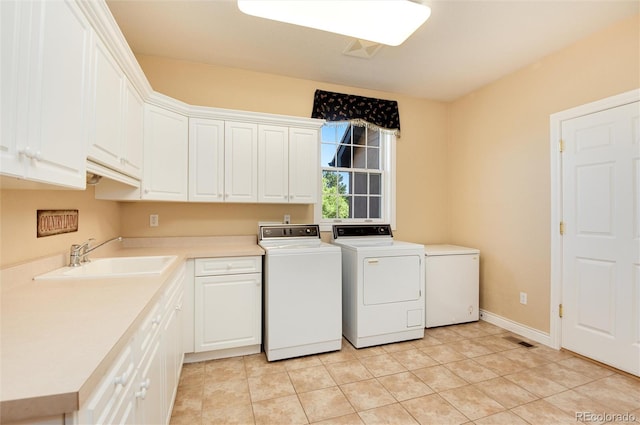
x: 228, y: 305
x: 141, y: 385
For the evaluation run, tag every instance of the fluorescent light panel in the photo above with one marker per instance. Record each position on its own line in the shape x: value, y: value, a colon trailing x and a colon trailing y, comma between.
x: 388, y: 22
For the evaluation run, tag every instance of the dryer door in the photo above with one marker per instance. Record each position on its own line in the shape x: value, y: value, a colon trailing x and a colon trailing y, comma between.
x: 391, y: 279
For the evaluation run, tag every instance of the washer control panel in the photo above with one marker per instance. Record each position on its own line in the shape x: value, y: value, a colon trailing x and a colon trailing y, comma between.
x: 289, y: 231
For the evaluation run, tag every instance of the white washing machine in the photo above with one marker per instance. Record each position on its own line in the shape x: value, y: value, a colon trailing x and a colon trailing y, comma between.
x: 302, y: 291
x: 452, y: 280
x: 382, y: 285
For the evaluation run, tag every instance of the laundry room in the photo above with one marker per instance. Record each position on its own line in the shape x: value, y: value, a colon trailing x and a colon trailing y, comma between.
x: 470, y: 166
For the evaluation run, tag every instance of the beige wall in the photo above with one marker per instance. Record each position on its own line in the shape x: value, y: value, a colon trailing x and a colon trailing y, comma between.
x: 18, y: 209
x: 421, y: 192
x: 499, y: 164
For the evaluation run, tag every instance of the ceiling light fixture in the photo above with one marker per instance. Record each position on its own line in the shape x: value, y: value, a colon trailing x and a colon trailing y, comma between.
x: 388, y: 22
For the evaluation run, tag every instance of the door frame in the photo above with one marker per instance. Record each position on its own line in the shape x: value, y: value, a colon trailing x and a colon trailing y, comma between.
x: 556, y: 119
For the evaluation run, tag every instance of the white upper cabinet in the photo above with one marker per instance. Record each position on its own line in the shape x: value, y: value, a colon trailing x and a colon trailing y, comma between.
x: 288, y: 165
x: 116, y: 138
x: 46, y: 58
x: 165, y: 155
x: 206, y: 160
x: 304, y: 166
x: 241, y: 162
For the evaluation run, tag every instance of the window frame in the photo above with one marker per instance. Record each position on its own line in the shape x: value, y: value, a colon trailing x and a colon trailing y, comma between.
x: 388, y: 181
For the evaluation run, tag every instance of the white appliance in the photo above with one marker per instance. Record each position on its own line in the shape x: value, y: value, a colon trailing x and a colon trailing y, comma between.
x: 302, y: 291
x: 452, y: 284
x: 382, y: 285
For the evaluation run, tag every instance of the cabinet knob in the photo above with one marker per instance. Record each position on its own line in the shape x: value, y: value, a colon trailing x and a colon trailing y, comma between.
x: 141, y: 394
x: 122, y: 379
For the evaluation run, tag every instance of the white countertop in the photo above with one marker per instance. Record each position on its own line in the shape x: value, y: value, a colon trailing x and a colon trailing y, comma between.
x: 59, y: 337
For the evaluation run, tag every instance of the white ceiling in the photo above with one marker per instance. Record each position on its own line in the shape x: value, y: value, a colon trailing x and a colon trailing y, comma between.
x: 464, y: 45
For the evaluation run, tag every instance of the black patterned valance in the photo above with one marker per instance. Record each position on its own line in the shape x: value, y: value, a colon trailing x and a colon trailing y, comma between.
x: 364, y: 110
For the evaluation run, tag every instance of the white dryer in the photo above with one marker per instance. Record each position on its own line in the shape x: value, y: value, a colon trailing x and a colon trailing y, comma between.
x: 302, y: 291
x: 383, y: 285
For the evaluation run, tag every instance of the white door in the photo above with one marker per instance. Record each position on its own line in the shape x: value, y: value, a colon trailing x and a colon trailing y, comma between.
x: 601, y: 264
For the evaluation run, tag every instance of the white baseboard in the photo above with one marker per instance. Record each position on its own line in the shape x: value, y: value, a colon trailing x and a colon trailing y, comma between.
x: 517, y: 328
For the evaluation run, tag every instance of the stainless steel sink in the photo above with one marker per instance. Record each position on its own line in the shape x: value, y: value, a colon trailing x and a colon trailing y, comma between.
x: 113, y: 267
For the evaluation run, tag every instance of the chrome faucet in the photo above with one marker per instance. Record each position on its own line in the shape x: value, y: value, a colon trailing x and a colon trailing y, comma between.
x: 78, y: 253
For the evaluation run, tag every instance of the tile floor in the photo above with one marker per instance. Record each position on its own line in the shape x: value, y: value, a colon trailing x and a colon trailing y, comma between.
x: 462, y: 374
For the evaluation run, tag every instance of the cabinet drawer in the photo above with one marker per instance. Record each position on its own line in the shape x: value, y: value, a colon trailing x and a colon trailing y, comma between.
x: 227, y: 265
x: 106, y: 398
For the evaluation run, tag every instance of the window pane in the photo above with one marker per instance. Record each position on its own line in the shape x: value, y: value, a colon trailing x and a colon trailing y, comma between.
x: 359, y: 157
x: 374, y: 207
x: 344, y: 183
x: 373, y: 138
x: 334, y: 132
x: 343, y: 156
x: 360, y: 183
x: 328, y: 155
x: 373, y: 158
x: 360, y: 207
x: 375, y: 184
x: 334, y: 200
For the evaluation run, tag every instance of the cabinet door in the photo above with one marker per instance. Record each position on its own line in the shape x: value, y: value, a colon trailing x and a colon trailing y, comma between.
x: 165, y: 155
x: 206, y: 160
x: 227, y: 311
x: 149, y: 391
x: 273, y: 164
x: 172, y: 341
x: 303, y: 165
x: 15, y: 32
x: 241, y: 162
x: 105, y: 144
x: 52, y: 84
x: 133, y: 138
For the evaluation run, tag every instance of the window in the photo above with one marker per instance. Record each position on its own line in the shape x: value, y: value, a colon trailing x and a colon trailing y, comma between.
x: 357, y: 164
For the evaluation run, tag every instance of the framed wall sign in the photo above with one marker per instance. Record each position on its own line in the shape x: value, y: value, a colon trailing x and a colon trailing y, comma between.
x: 55, y: 222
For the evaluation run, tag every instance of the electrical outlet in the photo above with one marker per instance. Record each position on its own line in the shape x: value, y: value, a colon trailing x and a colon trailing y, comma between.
x: 154, y: 220
x: 287, y: 219
x: 523, y: 298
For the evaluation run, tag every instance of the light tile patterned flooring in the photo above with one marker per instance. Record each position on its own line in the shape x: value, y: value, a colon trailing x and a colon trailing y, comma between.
x: 462, y: 374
